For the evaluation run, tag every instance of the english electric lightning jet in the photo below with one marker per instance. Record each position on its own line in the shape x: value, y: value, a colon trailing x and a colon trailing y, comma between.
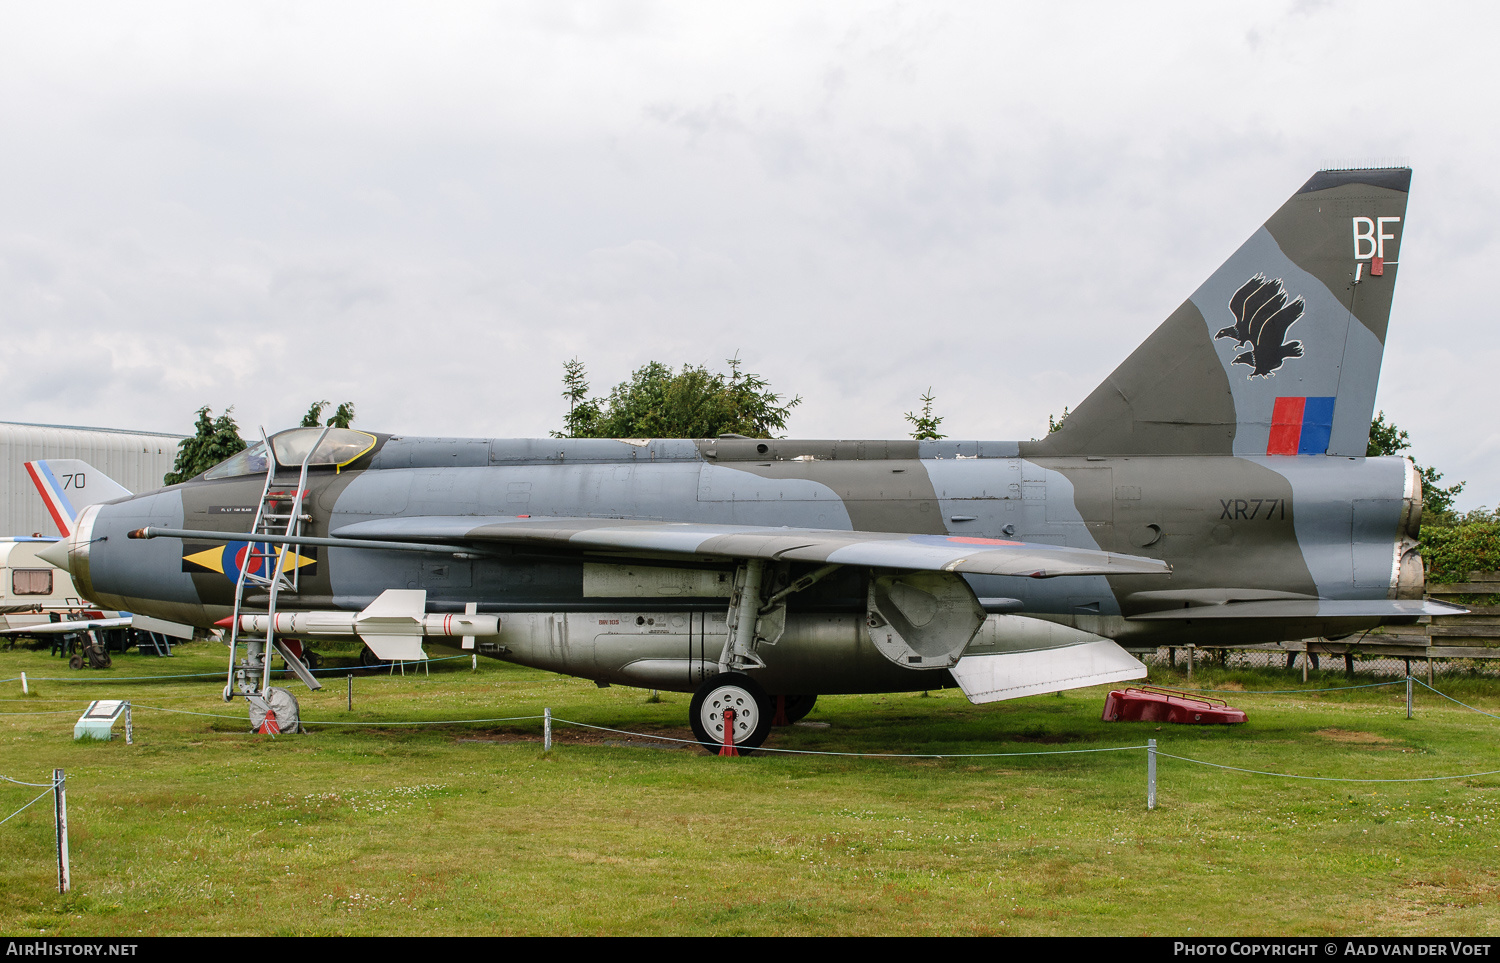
x: 1214, y: 486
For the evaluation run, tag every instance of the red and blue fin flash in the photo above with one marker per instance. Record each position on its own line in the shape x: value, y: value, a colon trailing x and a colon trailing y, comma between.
x: 1300, y: 426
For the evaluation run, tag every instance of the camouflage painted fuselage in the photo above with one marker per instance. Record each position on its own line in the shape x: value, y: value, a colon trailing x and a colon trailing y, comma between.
x: 1234, y: 529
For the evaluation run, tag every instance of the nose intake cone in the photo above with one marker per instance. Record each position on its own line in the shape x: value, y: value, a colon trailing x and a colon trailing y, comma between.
x: 57, y: 554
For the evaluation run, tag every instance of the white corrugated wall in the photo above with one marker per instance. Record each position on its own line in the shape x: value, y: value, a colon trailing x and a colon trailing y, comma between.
x: 135, y: 459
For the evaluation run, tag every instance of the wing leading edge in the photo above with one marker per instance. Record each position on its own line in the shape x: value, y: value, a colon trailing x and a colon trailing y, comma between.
x: 890, y: 550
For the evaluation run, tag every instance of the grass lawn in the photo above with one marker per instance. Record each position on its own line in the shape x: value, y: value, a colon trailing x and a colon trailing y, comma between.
x: 470, y: 828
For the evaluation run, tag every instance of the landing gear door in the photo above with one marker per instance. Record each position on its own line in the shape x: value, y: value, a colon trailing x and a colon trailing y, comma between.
x: 922, y: 620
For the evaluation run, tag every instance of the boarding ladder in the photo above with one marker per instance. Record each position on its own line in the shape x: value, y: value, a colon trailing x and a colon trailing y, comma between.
x: 279, y: 513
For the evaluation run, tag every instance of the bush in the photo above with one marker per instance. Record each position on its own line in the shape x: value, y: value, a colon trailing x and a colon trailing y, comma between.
x: 1455, y: 545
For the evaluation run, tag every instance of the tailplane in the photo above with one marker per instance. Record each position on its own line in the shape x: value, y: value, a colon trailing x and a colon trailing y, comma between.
x: 1278, y: 353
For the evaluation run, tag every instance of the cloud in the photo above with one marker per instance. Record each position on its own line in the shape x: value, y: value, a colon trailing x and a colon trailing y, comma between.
x: 427, y: 212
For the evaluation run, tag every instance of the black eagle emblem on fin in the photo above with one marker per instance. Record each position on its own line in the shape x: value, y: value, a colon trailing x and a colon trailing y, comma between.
x: 1262, y: 315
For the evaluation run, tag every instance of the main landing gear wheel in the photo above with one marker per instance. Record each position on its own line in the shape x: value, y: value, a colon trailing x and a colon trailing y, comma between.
x: 787, y: 709
x: 732, y: 702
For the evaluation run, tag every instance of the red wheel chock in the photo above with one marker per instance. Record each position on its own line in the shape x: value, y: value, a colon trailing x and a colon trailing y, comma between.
x: 728, y: 748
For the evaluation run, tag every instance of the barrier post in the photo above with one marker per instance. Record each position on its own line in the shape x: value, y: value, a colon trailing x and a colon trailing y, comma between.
x: 1408, y: 694
x: 546, y: 730
x: 24, y: 690
x: 129, y: 732
x: 351, y: 692
x: 60, y: 811
x: 1150, y: 773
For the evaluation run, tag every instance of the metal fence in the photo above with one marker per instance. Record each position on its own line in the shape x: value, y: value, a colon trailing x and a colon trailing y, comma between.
x: 1447, y: 645
x: 1369, y: 662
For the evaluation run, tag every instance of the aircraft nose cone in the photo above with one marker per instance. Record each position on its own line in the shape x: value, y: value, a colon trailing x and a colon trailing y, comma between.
x: 58, y: 554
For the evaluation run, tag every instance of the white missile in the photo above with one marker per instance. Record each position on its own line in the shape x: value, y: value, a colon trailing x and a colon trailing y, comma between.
x: 392, y: 626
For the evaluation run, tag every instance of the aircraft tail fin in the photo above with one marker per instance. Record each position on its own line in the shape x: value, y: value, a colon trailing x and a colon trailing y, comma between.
x: 68, y: 486
x: 1278, y: 352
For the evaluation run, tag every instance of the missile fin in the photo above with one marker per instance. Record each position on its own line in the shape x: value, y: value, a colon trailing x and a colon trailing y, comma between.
x: 395, y: 648
x: 470, y: 608
x: 392, y: 624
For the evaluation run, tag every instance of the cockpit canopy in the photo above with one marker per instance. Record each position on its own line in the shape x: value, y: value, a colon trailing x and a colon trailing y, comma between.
x: 339, y: 447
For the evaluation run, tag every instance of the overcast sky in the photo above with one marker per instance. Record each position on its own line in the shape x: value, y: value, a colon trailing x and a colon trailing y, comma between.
x: 427, y: 208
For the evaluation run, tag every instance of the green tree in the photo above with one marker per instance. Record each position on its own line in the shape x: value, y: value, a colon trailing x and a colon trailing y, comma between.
x: 1055, y: 422
x: 583, y: 413
x: 214, y: 440
x: 342, y: 417
x: 1386, y: 438
x: 1437, y: 500
x: 925, y: 425
x: 658, y: 402
x: 314, y: 415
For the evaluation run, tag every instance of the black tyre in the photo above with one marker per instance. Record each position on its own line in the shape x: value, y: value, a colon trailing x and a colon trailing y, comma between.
x: 76, y: 662
x: 721, y: 695
x: 369, y: 659
x: 792, y: 708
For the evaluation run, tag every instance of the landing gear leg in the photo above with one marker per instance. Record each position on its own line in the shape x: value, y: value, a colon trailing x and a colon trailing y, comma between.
x: 273, y: 710
x: 731, y: 708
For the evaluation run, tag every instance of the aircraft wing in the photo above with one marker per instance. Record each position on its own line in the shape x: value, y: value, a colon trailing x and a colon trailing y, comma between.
x: 1308, y: 609
x: 77, y: 625
x: 891, y: 550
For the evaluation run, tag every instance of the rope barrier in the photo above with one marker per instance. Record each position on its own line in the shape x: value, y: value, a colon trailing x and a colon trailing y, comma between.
x: 38, y: 701
x: 1453, y: 700
x: 187, y: 712
x: 341, y: 670
x: 44, y: 712
x: 862, y: 755
x: 119, y: 678
x: 28, y: 805
x: 1288, y: 775
x: 34, y: 785
x: 441, y: 722
x: 1335, y: 688
x: 871, y: 755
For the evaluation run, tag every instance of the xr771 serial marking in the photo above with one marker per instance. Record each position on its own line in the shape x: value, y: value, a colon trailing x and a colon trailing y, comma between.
x: 1248, y: 508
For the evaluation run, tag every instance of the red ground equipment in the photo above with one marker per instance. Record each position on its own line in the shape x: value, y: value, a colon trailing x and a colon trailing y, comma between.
x: 1151, y: 704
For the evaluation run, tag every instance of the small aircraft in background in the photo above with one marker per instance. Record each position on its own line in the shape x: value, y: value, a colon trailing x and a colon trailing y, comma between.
x: 1215, y: 484
x: 39, y: 600
x: 68, y: 486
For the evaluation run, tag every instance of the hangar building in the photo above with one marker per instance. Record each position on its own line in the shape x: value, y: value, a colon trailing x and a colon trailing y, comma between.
x: 135, y: 459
